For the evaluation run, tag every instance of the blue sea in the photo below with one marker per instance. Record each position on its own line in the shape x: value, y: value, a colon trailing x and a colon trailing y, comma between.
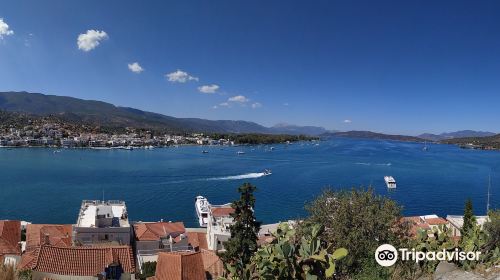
x: 41, y: 186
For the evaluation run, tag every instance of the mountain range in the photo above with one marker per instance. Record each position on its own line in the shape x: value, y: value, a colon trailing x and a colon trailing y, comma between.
x: 109, y: 115
x: 457, y: 134
x: 373, y: 135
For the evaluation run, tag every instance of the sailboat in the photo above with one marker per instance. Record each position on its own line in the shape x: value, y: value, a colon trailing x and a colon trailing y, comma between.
x: 425, y: 148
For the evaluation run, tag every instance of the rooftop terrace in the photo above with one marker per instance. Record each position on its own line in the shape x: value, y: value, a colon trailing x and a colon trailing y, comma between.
x: 102, y: 214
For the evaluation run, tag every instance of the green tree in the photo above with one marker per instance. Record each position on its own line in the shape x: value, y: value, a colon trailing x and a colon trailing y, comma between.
x: 148, y: 270
x: 469, y: 219
x: 492, y: 247
x: 243, y: 242
x: 357, y: 220
x: 492, y: 228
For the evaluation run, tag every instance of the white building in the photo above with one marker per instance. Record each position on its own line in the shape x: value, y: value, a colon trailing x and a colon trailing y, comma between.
x: 219, y: 221
x: 457, y: 222
x: 102, y: 222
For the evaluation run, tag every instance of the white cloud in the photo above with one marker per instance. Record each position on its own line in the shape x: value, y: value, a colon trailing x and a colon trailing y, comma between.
x: 208, y: 88
x: 4, y: 29
x: 27, y: 40
x: 347, y: 121
x: 135, y: 67
x: 239, y: 99
x: 180, y: 76
x: 91, y: 39
x: 256, y: 105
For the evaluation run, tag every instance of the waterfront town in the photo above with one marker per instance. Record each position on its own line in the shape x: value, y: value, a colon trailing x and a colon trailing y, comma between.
x: 104, y: 244
x: 56, y: 135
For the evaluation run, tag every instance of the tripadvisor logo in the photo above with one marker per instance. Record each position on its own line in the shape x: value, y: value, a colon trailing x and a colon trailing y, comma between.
x: 387, y: 255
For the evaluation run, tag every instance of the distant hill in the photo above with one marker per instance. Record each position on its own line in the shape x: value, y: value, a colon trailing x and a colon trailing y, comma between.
x: 373, y: 135
x: 485, y: 142
x: 109, y: 115
x: 284, y: 128
x: 457, y: 134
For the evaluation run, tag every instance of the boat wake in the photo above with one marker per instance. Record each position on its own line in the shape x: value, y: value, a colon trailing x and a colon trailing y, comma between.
x: 240, y: 177
x: 367, y: 163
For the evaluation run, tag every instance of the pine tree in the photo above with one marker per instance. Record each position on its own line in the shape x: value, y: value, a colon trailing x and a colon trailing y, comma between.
x: 243, y: 242
x: 469, y: 219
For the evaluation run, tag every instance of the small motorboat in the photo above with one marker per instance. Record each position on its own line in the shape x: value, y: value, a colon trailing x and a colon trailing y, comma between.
x: 240, y: 153
x: 390, y: 182
x: 267, y: 172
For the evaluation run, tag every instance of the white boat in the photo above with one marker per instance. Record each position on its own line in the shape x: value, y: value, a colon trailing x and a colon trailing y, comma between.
x: 240, y: 153
x: 204, y: 152
x: 267, y: 172
x: 201, y: 204
x: 390, y: 182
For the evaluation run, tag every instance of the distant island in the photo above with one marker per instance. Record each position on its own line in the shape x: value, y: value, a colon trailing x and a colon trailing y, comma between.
x: 479, y: 139
x: 373, y: 135
x: 456, y: 134
x: 483, y: 143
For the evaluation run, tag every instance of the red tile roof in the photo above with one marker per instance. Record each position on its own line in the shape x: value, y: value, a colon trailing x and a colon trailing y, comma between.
x: 78, y: 261
x: 416, y: 223
x: 180, y: 266
x: 198, y: 240
x: 436, y: 221
x: 154, y: 231
x: 222, y: 211
x: 28, y: 259
x: 212, y: 264
x: 10, y: 236
x: 59, y: 235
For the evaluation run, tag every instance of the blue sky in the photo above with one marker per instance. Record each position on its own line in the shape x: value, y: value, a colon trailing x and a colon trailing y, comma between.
x: 388, y: 66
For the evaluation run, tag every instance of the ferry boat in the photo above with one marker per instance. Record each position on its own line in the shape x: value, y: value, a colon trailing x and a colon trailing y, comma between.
x: 201, y: 204
x: 390, y: 182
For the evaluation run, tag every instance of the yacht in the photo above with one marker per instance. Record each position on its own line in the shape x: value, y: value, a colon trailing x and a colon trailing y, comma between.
x: 201, y: 204
x: 390, y: 182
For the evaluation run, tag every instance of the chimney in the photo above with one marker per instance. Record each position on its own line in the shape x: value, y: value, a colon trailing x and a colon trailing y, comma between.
x: 46, y: 239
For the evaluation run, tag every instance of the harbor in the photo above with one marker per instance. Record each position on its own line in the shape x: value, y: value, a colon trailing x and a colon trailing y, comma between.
x: 166, y: 180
